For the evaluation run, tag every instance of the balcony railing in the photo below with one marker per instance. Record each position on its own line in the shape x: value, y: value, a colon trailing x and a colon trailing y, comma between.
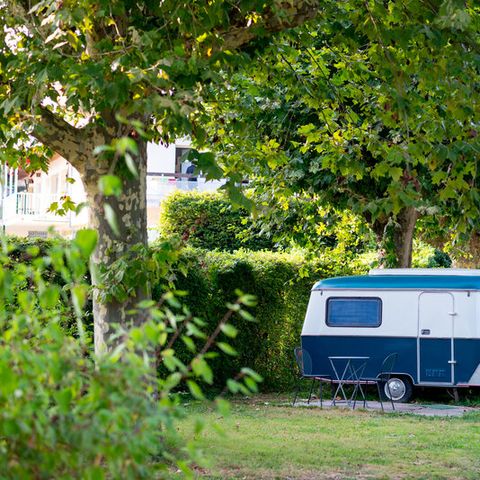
x: 161, y: 185
x: 32, y: 205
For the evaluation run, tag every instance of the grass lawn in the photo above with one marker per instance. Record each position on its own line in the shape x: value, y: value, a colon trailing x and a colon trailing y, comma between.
x: 264, y: 439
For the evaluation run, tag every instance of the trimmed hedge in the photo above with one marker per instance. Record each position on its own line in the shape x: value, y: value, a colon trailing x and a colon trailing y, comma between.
x: 281, y: 282
x: 208, y: 220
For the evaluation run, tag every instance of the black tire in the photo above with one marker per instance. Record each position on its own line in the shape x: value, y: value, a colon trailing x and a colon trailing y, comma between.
x: 401, y: 389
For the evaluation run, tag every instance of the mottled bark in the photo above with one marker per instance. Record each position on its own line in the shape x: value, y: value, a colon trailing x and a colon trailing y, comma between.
x: 74, y: 144
x: 469, y: 254
x: 379, y: 228
x: 395, y: 238
x: 403, y: 231
x: 131, y: 215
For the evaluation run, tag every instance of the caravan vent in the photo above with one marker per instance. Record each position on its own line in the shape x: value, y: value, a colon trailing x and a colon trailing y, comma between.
x: 425, y: 271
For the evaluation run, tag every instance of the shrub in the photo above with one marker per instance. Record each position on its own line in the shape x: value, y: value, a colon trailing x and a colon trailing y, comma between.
x: 208, y: 220
x: 65, y: 413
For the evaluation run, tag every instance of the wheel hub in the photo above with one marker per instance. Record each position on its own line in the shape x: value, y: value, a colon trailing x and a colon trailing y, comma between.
x: 395, y: 389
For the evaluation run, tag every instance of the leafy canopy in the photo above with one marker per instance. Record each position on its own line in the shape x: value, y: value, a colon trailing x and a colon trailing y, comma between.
x: 101, y: 64
x: 373, y: 108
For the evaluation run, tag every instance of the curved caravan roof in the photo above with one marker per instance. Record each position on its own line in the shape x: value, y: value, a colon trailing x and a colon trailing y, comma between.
x: 406, y: 279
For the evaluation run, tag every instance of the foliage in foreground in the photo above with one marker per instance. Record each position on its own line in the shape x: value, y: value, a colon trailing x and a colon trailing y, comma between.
x: 65, y: 413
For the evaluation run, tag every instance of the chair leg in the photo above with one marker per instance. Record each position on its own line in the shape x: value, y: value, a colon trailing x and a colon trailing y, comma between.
x: 321, y: 394
x: 297, y: 388
x: 311, y: 390
x: 390, y: 395
x: 354, y: 395
x: 365, y: 396
x: 380, y: 395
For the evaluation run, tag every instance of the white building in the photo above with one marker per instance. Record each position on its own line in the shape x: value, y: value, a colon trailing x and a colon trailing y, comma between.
x: 26, y: 198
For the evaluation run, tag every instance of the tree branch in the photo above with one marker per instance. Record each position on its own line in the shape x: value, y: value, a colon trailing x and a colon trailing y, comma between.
x: 74, y: 144
x: 293, y: 14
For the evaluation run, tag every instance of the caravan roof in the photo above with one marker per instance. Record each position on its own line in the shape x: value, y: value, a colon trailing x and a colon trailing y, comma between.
x: 402, y: 279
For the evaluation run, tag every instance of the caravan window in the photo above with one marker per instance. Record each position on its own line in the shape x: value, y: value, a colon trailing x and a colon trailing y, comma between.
x: 354, y: 312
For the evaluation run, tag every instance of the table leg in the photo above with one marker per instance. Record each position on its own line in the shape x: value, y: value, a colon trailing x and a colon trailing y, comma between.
x: 341, y: 380
x: 357, y: 374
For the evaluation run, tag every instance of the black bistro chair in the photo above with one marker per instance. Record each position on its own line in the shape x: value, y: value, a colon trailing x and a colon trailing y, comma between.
x: 304, y: 364
x: 382, y: 379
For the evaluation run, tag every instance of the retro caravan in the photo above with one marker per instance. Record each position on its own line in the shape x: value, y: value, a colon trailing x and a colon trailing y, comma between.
x: 429, y: 317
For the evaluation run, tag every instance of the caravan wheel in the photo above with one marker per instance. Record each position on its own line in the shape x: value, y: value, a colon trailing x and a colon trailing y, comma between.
x: 400, y: 388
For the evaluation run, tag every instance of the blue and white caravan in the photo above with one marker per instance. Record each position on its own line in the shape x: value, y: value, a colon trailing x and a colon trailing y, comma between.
x: 430, y: 317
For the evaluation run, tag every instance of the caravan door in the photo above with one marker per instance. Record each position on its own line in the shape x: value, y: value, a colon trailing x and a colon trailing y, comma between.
x: 436, y: 356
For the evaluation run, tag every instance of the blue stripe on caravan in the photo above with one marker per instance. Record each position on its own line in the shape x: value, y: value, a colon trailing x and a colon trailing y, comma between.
x: 467, y: 356
x: 377, y: 348
x: 401, y: 282
x: 434, y: 358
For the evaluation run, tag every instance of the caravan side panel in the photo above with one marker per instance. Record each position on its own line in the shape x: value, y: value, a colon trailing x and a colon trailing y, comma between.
x: 397, y: 331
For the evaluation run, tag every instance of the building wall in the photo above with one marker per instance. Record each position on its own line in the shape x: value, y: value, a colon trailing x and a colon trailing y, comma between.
x: 53, y: 184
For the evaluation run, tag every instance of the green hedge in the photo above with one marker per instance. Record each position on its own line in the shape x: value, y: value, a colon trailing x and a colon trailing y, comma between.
x: 208, y: 220
x: 281, y: 282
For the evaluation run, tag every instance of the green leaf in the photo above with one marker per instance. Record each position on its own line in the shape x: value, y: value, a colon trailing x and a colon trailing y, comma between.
x: 251, y: 384
x: 396, y: 173
x: 124, y: 145
x: 205, y: 163
x: 233, y: 386
x: 246, y: 315
x: 201, y: 368
x: 226, y: 348
x: 53, y: 208
x: 131, y: 165
x: 50, y: 296
x: 103, y: 148
x: 229, y: 330
x: 223, y: 406
x: 111, y: 218
x: 110, y: 185
x: 195, y: 390
x: 79, y: 297
x: 252, y: 373
x: 33, y: 251
x: 86, y: 241
x: 189, y: 343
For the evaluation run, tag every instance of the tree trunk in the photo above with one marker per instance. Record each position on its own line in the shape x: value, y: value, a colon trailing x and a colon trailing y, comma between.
x: 395, y: 238
x: 130, y: 210
x: 402, y: 237
x: 469, y: 254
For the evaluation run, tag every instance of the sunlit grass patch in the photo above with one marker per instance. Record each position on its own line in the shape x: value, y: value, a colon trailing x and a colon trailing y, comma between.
x: 265, y: 440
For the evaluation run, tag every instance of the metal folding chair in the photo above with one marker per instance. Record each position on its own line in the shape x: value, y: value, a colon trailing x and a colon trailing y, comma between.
x: 382, y: 379
x: 304, y: 365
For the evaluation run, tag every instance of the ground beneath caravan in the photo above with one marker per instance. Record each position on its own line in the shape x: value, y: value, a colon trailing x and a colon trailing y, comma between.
x: 266, y: 438
x: 427, y: 410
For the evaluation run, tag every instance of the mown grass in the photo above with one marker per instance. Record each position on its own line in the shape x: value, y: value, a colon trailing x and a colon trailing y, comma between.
x: 265, y: 440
